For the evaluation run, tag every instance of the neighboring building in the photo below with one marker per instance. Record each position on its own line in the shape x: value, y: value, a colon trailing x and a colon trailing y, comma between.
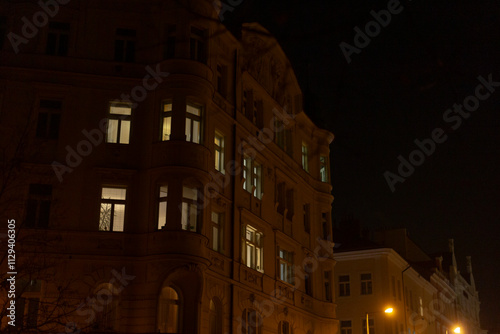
x: 162, y: 173
x: 392, y: 271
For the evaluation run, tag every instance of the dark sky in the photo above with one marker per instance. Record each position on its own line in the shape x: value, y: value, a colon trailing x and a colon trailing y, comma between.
x: 396, y: 90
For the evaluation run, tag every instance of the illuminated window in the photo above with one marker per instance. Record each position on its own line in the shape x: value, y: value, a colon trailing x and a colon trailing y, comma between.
x: 169, y: 311
x: 285, y: 261
x: 252, y: 248
x: 49, y: 119
x: 323, y: 168
x: 366, y: 284
x: 344, y: 285
x: 125, y: 45
x: 38, y: 206
x: 119, y: 123
x: 166, y: 131
x: 217, y: 231
x: 219, y: 152
x: 112, y: 216
x: 58, y: 39
x: 252, y: 176
x: 162, y: 207
x: 193, y: 123
x: 305, y: 158
x: 346, y: 327
x: 190, y: 209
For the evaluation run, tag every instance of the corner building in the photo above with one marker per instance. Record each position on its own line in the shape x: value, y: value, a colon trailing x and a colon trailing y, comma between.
x: 167, y: 173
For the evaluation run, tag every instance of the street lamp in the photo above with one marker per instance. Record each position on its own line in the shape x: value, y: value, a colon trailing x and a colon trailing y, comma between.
x: 388, y: 310
x: 457, y: 330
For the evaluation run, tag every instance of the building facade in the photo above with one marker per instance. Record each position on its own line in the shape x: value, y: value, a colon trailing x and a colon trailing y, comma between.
x: 161, y: 172
x: 427, y: 295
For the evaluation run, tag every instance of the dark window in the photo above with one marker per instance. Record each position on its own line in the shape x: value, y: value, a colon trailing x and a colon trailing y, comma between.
x: 222, y: 79
x: 346, y: 327
x: 371, y: 323
x: 344, y: 286
x: 3, y: 30
x: 169, y: 47
x: 49, y: 119
x: 38, y: 205
x: 307, y: 218
x: 58, y: 39
x: 307, y: 279
x: 366, y: 284
x: 324, y: 225
x: 328, y: 285
x: 198, y: 45
x: 125, y: 45
x: 32, y: 319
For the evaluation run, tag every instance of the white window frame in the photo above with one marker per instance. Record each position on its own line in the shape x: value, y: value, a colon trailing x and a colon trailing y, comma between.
x: 286, y: 266
x: 121, y: 121
x: 194, y: 121
x: 191, y: 210
x: 305, y: 157
x: 252, y: 176
x: 253, y: 250
x: 219, y: 151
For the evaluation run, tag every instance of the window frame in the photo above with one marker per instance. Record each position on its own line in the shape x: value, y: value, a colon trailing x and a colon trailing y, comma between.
x: 198, y: 46
x: 305, y: 156
x: 58, y: 34
x: 345, y: 326
x: 256, y: 247
x: 219, y: 228
x: 167, y: 302
x: 53, y: 111
x: 327, y: 285
x: 187, y: 206
x: 126, y: 53
x: 324, y: 175
x: 366, y: 284
x: 38, y: 206
x: 286, y: 266
x: 113, y: 202
x: 120, y: 119
x: 192, y: 119
x: 252, y: 176
x: 162, y: 199
x: 249, y: 325
x: 344, y: 286
x: 166, y: 120
x: 219, y: 149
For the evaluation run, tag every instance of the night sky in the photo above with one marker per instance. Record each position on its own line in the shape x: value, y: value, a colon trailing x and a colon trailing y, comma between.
x: 395, y: 91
